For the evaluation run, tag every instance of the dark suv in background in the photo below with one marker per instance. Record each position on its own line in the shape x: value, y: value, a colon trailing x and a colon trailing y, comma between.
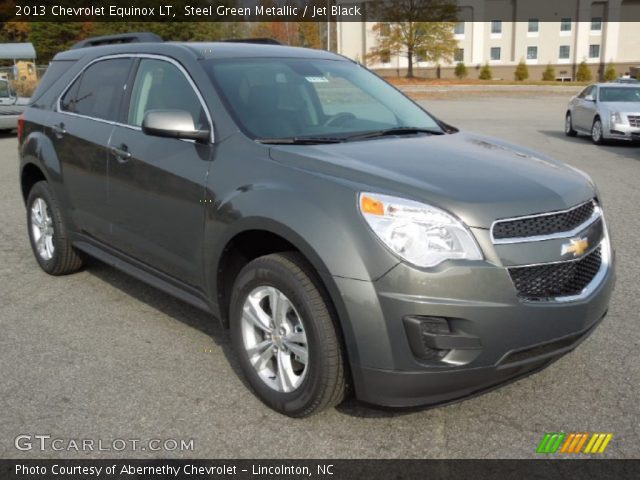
x: 347, y: 237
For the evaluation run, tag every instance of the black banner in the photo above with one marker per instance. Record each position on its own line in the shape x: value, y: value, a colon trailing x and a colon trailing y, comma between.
x: 318, y: 10
x: 322, y: 469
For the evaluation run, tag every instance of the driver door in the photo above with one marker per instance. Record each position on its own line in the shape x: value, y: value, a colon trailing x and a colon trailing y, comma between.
x: 583, y: 111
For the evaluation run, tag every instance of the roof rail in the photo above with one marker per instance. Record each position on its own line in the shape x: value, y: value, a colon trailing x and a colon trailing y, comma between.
x: 121, y: 38
x: 263, y: 41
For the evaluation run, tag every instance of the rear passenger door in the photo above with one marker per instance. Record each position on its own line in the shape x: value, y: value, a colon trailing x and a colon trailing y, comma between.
x: 157, y: 185
x: 79, y: 130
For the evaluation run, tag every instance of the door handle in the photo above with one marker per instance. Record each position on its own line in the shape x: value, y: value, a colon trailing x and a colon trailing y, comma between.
x: 59, y: 130
x: 121, y: 153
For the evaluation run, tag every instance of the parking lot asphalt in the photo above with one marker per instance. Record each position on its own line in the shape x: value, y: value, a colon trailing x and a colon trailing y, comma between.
x: 98, y: 355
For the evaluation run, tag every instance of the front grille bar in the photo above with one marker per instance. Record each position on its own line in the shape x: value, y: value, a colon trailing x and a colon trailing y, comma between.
x: 544, y: 226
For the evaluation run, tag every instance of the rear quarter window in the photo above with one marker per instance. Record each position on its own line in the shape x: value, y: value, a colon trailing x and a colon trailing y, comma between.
x: 98, y: 91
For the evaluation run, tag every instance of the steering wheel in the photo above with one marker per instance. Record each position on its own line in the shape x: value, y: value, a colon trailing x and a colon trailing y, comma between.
x: 339, y: 119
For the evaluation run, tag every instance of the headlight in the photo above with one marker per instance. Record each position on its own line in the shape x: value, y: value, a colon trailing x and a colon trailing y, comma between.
x: 421, y: 234
x: 616, y: 117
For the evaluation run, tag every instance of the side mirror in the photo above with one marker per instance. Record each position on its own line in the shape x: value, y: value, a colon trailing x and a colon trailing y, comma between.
x: 173, y: 124
x: 590, y: 98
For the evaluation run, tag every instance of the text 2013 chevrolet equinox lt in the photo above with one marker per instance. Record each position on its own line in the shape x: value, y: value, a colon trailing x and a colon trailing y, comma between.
x: 348, y: 238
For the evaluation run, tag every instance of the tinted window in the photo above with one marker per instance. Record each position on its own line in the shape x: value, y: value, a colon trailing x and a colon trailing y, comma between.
x: 159, y: 85
x: 586, y: 91
x: 97, y: 92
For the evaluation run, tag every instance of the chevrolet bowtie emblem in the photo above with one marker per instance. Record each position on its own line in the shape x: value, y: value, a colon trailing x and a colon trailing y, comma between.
x: 577, y: 246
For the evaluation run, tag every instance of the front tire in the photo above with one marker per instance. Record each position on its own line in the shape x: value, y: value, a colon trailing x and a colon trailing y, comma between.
x: 597, y: 132
x: 286, y: 337
x: 48, y: 233
x: 568, y: 126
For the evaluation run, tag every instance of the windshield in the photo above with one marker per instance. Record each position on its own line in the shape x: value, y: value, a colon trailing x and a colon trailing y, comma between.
x: 619, y: 94
x: 276, y: 98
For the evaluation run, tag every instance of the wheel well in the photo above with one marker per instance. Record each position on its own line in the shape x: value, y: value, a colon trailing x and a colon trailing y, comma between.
x: 242, y: 249
x: 30, y: 176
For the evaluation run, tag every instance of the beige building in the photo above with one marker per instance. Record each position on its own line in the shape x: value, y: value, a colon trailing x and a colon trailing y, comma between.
x: 585, y: 30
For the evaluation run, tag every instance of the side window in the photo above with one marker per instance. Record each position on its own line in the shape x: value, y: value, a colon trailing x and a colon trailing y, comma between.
x: 160, y: 85
x: 585, y: 92
x: 4, y: 89
x: 96, y: 93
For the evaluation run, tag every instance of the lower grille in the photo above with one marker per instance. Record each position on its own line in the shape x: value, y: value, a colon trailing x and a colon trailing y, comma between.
x: 547, y: 348
x: 634, y: 120
x: 557, y: 279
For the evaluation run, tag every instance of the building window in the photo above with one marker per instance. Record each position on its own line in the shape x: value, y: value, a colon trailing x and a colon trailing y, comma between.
x: 594, y: 51
x: 565, y: 52
x: 495, y: 53
x: 496, y: 27
x: 596, y: 24
x: 532, y: 53
x: 534, y: 25
x: 459, y: 28
x: 458, y: 55
x: 565, y: 25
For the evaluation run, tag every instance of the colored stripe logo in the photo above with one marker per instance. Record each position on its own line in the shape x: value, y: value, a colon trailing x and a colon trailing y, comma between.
x: 560, y: 442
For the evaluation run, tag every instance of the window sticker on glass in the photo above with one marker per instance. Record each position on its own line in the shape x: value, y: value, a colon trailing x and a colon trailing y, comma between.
x: 317, y: 79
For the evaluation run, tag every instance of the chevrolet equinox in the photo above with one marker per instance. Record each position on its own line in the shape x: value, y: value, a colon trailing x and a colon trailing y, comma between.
x: 350, y: 240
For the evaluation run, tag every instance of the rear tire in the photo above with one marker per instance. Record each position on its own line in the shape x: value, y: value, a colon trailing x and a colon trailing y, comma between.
x: 48, y: 233
x: 568, y: 126
x: 286, y: 336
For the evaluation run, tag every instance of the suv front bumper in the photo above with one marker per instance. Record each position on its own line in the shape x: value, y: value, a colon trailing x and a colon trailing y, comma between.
x: 502, y: 337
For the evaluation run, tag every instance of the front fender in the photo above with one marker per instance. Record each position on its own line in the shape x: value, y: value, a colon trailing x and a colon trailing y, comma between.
x: 322, y: 222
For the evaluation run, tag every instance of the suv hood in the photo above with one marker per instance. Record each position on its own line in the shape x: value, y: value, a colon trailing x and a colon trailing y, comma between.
x: 477, y: 178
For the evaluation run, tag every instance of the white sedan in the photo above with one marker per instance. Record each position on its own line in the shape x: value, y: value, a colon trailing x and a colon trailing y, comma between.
x: 605, y: 111
x: 11, y: 106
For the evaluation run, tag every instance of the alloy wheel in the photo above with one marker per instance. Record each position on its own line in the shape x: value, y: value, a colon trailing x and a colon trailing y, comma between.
x: 274, y: 339
x: 596, y: 131
x: 42, y: 229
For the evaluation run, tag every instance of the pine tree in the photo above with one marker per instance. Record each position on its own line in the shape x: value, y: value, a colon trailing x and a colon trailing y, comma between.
x: 549, y: 73
x: 485, y: 73
x: 583, y: 74
x: 522, y: 72
x: 610, y: 73
x: 461, y: 70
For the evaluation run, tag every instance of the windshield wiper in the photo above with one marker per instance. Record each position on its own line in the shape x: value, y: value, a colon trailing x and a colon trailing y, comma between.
x: 299, y: 140
x: 394, y: 131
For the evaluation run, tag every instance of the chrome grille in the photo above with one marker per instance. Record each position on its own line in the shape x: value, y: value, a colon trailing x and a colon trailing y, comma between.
x: 556, y: 279
x: 543, y: 224
x: 634, y: 120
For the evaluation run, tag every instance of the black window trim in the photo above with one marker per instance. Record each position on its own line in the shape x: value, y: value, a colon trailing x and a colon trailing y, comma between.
x: 134, y: 56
